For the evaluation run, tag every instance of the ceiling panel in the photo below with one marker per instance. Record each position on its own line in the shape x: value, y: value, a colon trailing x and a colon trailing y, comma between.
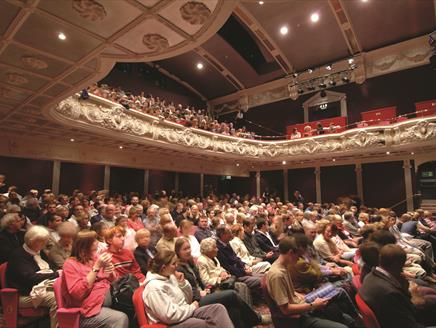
x: 9, y: 12
x: 380, y: 23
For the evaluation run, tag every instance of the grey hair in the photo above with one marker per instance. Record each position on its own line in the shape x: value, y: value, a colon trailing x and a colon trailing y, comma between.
x: 13, y: 209
x: 7, y: 220
x: 36, y: 233
x: 206, y: 245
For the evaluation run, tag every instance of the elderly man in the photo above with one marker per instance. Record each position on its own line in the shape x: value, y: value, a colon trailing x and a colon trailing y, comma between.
x: 11, y: 236
x: 107, y: 216
x: 168, y: 240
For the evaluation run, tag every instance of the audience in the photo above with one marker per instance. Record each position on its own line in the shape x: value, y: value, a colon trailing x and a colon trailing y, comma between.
x: 226, y: 243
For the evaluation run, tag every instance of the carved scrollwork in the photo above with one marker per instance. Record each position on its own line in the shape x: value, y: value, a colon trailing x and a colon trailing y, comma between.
x: 155, y: 42
x: 34, y: 62
x: 114, y: 117
x: 16, y: 79
x: 195, y: 13
x: 89, y: 9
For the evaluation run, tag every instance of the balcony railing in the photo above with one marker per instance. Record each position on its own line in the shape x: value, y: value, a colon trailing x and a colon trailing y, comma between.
x: 100, y: 115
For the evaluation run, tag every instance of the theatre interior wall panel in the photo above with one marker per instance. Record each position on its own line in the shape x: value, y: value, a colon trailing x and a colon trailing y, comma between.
x: 337, y: 181
x: 26, y: 173
x: 304, y: 181
x: 160, y: 180
x: 85, y: 177
x: 271, y: 182
x: 124, y: 180
x: 189, y: 183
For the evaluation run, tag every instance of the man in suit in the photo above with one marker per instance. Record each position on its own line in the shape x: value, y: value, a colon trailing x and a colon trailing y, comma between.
x: 264, y: 239
x: 251, y: 243
x: 385, y: 291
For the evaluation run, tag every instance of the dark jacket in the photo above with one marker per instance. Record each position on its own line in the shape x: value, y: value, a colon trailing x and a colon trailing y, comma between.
x: 389, y: 300
x: 191, y: 273
x: 252, y: 246
x: 9, y: 242
x: 229, y: 260
x: 201, y: 234
x: 22, y: 271
x: 264, y: 243
x: 143, y: 258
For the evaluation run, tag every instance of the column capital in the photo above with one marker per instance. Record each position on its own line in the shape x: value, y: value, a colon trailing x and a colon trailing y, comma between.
x: 407, y: 164
x: 317, y: 170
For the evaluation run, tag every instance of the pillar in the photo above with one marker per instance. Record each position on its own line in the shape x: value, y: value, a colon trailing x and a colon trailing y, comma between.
x: 359, y: 181
x: 285, y: 185
x: 146, y: 179
x: 201, y: 184
x: 408, y: 184
x: 176, y: 182
x: 318, y: 183
x: 258, y: 184
x: 107, y: 177
x: 56, y: 177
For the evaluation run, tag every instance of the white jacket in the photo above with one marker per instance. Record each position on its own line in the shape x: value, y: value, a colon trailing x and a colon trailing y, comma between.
x: 166, y: 300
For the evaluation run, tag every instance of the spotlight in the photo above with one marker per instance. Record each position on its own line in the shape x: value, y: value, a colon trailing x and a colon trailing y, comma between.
x: 284, y: 162
x: 62, y: 36
x: 237, y: 164
x: 328, y: 67
x: 261, y: 3
x: 388, y: 153
x: 323, y: 94
x: 284, y: 30
x: 334, y: 159
x: 346, y: 79
x: 200, y: 66
x: 295, y: 74
x: 310, y: 71
x: 350, y: 61
x: 332, y: 82
x: 121, y: 147
x: 72, y: 139
x: 314, y: 17
x: 322, y: 85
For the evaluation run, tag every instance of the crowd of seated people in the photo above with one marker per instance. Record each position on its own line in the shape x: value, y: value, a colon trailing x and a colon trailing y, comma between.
x: 186, y: 116
x: 199, y: 259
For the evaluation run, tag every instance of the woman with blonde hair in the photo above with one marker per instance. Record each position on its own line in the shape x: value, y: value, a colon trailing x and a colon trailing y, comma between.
x: 86, y: 282
x: 168, y: 298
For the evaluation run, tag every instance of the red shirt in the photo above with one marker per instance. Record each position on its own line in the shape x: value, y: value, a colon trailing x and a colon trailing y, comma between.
x: 78, y: 293
x: 135, y: 225
x: 125, y: 263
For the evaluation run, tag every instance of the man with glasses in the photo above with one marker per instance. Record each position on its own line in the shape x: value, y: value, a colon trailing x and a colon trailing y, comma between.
x: 11, y: 235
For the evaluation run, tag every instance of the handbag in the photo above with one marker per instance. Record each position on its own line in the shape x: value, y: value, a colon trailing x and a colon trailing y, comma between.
x: 229, y: 283
x: 122, y: 291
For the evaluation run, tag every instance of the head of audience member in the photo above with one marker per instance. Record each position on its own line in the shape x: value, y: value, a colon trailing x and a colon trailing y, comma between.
x: 262, y: 225
x: 83, y: 221
x: 229, y: 218
x: 51, y: 208
x: 194, y: 210
x: 369, y: 252
x: 169, y: 231
x: 152, y: 212
x: 310, y: 231
x: 248, y: 225
x: 382, y: 237
x: 183, y: 250
x: 12, y: 222
x: 67, y: 233
x: 109, y: 212
x: 203, y: 222
x: 237, y: 231
x: 133, y: 213
x: 224, y: 234
x: 53, y: 222
x: 85, y: 246
x: 185, y: 227
x: 392, y: 259
x: 164, y: 263
x: 100, y: 229
x: 134, y: 200
x: 208, y: 247
x: 62, y: 211
x: 302, y: 241
x: 143, y: 237
x: 32, y: 203
x: 36, y: 238
x: 327, y: 231
x: 288, y: 250
x: 115, y: 238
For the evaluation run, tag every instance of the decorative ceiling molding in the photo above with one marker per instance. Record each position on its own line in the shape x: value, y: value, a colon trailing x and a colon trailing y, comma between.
x: 220, y: 68
x: 178, y: 80
x: 105, y: 118
x: 345, y: 26
x: 397, y: 57
x: 245, y: 16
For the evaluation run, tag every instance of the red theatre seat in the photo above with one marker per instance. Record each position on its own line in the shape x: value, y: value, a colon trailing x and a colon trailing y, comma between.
x: 141, y: 315
x: 67, y: 317
x: 380, y: 116
x: 369, y: 318
x: 9, y: 300
x: 425, y: 108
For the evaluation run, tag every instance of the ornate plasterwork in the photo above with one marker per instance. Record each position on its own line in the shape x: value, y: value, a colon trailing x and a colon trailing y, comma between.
x: 155, y: 42
x: 194, y: 12
x: 34, y: 62
x: 89, y: 9
x: 106, y: 115
x: 16, y: 79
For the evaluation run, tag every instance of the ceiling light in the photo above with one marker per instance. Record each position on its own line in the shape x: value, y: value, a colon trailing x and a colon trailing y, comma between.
x: 121, y: 147
x: 388, y: 153
x: 62, y: 36
x: 237, y: 164
x: 362, y: 1
x: 314, y: 17
x: 350, y: 61
x: 200, y: 65
x: 261, y: 3
x: 412, y: 153
x: 328, y: 67
x: 284, y: 30
x: 72, y: 140
x: 284, y: 162
x: 334, y: 159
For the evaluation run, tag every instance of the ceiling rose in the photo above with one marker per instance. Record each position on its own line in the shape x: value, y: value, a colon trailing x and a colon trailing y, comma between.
x: 155, y: 42
x: 195, y: 13
x: 16, y: 79
x: 89, y: 9
x: 34, y: 62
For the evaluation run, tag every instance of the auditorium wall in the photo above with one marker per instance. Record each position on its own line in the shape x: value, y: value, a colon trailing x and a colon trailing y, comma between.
x: 337, y: 181
x: 161, y: 180
x: 304, y: 181
x: 401, y: 89
x: 85, y: 177
x: 124, y: 180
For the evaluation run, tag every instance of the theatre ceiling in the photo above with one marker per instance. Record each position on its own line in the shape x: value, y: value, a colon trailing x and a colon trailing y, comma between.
x: 51, y: 49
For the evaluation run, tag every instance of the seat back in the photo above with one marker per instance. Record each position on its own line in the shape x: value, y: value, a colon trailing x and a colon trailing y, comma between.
x: 356, y: 282
x: 140, y: 311
x: 67, y: 317
x: 58, y: 292
x: 369, y: 318
x: 3, y: 268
